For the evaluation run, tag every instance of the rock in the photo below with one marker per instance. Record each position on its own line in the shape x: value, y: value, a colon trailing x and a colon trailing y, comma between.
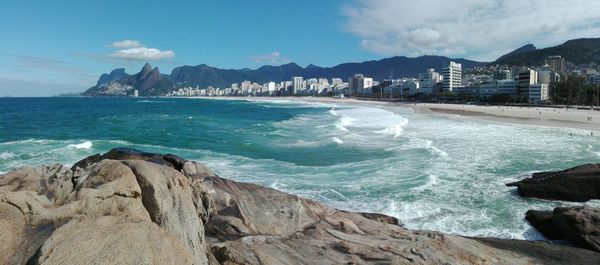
x: 577, y: 184
x: 168, y: 197
x: 112, y: 240
x: 123, y: 153
x: 292, y: 230
x: 382, y: 218
x: 580, y: 225
x: 132, y: 207
x: 542, y: 221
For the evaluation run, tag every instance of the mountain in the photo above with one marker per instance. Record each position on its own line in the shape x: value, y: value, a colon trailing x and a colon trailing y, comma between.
x: 395, y: 67
x: 578, y: 51
x: 149, y: 82
x: 114, y: 75
x: 525, y: 49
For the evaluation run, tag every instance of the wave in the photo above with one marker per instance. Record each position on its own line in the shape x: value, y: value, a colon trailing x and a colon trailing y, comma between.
x: 431, y: 181
x: 337, y: 140
x: 152, y: 101
x: 591, y: 149
x: 7, y: 155
x: 395, y: 130
x: 332, y: 112
x: 369, y: 118
x: 84, y: 145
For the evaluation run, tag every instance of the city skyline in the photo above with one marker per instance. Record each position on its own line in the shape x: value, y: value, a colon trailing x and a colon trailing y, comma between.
x: 64, y: 46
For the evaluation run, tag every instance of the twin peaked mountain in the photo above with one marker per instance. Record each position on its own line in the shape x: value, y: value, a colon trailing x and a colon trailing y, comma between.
x: 150, y: 82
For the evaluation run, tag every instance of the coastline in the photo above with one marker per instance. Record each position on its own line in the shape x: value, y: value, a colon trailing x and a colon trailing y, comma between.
x: 537, y: 116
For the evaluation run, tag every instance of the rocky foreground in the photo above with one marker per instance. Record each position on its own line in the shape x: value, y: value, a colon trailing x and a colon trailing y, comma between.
x: 581, y: 224
x: 130, y: 207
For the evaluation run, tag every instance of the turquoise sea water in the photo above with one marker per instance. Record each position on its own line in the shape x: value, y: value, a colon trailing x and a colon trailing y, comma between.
x: 444, y: 173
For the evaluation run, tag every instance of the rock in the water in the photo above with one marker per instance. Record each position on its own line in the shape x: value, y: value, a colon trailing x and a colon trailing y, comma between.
x: 580, y: 225
x: 132, y: 207
x: 577, y: 184
x: 542, y: 221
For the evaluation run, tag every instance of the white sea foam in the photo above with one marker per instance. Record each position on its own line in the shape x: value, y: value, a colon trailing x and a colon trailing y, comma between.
x: 337, y: 140
x: 6, y: 155
x: 377, y: 120
x: 84, y: 145
x: 395, y: 130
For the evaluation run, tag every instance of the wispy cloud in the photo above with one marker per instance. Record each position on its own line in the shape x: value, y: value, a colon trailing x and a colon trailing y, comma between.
x: 481, y: 29
x: 272, y: 58
x: 27, y: 63
x: 27, y: 88
x: 134, y: 50
x: 35, y: 67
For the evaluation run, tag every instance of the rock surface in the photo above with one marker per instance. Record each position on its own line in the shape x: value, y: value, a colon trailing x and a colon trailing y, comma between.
x: 131, y: 207
x: 577, y: 184
x: 580, y: 225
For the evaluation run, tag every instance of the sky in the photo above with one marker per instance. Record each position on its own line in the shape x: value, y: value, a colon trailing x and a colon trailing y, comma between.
x: 52, y: 47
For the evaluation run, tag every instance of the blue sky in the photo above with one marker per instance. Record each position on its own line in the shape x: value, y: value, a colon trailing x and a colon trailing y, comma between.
x: 48, y: 47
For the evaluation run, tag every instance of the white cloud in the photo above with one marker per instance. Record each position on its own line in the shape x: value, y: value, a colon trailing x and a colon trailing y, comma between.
x: 272, y: 58
x: 477, y: 29
x: 143, y: 54
x: 135, y: 51
x: 126, y: 44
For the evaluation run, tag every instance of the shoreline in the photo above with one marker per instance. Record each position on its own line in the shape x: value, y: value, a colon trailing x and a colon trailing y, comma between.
x: 536, y: 116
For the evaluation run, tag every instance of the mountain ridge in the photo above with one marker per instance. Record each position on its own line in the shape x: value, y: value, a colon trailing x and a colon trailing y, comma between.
x: 204, y: 75
x: 577, y: 51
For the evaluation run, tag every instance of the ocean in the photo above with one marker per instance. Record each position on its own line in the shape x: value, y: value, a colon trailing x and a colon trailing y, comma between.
x: 433, y: 172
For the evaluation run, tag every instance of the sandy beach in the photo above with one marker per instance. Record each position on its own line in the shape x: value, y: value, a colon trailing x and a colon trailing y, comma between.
x: 540, y: 116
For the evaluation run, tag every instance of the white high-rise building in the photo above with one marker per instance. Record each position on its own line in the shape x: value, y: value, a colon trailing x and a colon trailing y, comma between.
x: 270, y: 87
x: 452, y: 76
x: 297, y: 84
x: 428, y: 80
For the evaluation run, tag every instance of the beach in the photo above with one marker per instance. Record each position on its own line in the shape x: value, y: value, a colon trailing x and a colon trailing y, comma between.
x: 539, y: 116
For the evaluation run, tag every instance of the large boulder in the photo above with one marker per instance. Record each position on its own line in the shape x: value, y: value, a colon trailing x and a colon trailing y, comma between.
x: 580, y: 225
x: 577, y: 184
x: 132, y: 207
x: 106, y: 212
x: 112, y: 240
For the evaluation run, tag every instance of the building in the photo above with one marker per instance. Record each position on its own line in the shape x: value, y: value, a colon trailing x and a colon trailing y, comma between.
x: 245, y: 86
x: 412, y: 85
x: 359, y: 84
x: 297, y: 84
x: 136, y: 93
x: 428, y: 80
x: 502, y: 74
x: 509, y: 87
x: 526, y: 78
x: 488, y: 90
x: 336, y: 81
x: 538, y: 93
x: 594, y: 79
x: 452, y: 76
x: 269, y: 87
x: 544, y: 75
x: 556, y: 63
